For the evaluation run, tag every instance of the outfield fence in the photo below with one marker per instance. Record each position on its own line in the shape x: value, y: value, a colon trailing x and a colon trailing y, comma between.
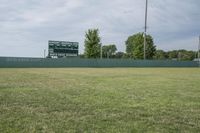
x: 25, y: 62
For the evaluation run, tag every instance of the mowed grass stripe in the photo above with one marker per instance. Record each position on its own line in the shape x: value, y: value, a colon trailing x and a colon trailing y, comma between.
x: 100, y: 100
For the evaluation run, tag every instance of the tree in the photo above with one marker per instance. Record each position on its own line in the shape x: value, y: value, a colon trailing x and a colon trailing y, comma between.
x: 119, y: 55
x: 173, y: 54
x: 160, y: 55
x: 92, y: 44
x: 181, y: 55
x: 109, y: 50
x: 186, y: 55
x: 135, y: 46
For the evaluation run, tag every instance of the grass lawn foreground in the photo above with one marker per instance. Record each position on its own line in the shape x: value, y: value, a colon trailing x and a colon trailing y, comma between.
x: 100, y: 100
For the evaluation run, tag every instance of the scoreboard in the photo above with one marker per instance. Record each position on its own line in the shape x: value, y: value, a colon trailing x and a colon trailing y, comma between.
x: 62, y: 49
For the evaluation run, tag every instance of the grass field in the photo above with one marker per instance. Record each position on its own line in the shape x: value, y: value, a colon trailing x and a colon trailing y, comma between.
x: 100, y: 100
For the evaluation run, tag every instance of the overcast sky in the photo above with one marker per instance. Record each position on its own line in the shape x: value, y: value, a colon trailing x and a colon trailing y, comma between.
x: 27, y: 25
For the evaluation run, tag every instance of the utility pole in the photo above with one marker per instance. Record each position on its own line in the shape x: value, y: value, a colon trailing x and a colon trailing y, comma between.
x: 145, y: 30
x: 199, y: 52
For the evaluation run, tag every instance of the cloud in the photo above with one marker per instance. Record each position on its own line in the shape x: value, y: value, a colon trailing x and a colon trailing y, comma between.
x: 190, y: 43
x: 26, y: 26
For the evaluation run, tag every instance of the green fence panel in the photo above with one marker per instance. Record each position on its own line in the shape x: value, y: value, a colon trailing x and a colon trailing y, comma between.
x: 20, y: 62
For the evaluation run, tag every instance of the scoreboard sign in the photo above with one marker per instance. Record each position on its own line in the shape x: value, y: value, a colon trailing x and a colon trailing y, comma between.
x: 61, y: 49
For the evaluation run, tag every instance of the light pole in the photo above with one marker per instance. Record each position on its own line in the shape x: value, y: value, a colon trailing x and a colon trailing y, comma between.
x: 199, y: 52
x: 145, y: 30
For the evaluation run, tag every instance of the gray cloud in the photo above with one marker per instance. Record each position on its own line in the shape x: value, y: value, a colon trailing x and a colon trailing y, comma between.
x: 26, y: 26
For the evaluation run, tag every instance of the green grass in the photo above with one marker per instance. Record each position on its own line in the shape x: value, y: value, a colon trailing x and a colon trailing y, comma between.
x: 100, y: 100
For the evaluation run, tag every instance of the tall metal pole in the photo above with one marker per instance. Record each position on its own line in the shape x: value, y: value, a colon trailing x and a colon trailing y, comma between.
x: 145, y: 29
x: 199, y: 52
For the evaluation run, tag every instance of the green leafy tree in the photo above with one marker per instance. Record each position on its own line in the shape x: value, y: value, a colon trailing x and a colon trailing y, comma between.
x: 135, y: 46
x: 173, y: 54
x: 186, y: 55
x: 119, y: 55
x: 109, y: 50
x: 181, y: 55
x: 160, y: 55
x: 92, y: 44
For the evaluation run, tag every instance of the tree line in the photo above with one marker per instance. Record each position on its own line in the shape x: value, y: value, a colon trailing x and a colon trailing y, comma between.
x: 134, y: 48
